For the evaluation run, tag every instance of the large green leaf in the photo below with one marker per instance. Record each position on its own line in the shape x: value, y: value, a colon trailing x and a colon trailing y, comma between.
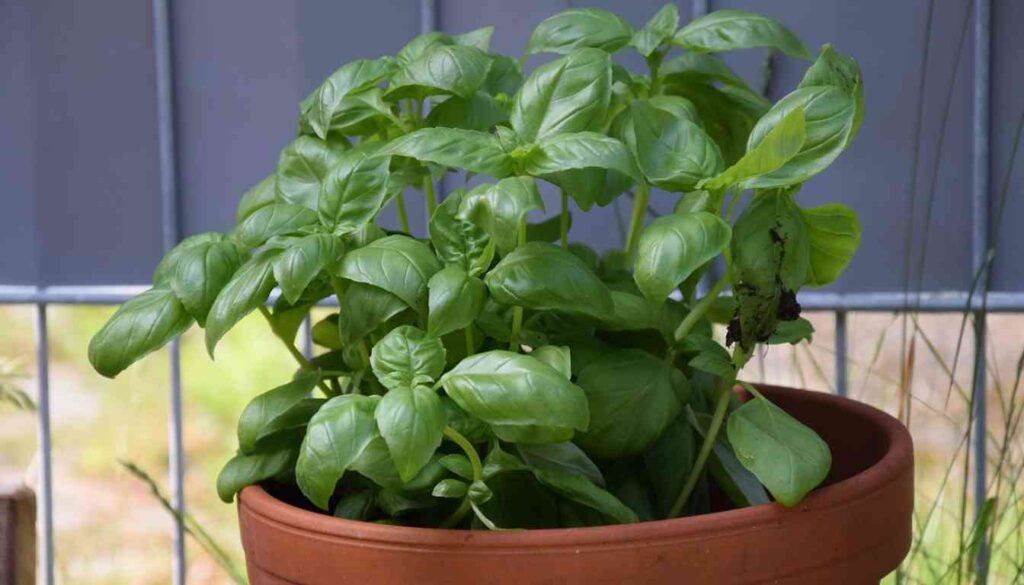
x: 673, y: 246
x: 658, y: 29
x: 274, y: 220
x: 455, y: 300
x: 469, y: 150
x: 668, y: 462
x: 673, y: 153
x: 375, y: 463
x: 590, y: 167
x: 350, y: 78
x: 834, y: 235
x: 789, y: 458
x: 354, y: 191
x: 729, y: 30
x: 583, y: 491
x: 779, y: 145
x: 498, y: 208
x: 632, y: 400
x: 570, y: 94
x: 411, y: 420
x: 398, y: 264
x: 243, y: 470
x: 138, y: 327
x: 480, y: 112
x: 457, y: 241
x: 561, y: 456
x: 578, y: 28
x: 260, y: 195
x: 831, y: 98
x: 302, y: 260
x: 441, y: 69
x: 407, y: 357
x: 248, y: 288
x: 542, y: 276
x: 303, y: 168
x: 198, y: 268
x: 504, y: 76
x: 364, y: 308
x: 511, y: 389
x: 285, y: 407
x: 335, y: 437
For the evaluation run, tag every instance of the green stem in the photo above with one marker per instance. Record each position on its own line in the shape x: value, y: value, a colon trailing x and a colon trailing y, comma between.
x: 732, y: 205
x: 470, y: 344
x: 701, y: 308
x: 564, y: 222
x: 290, y: 346
x: 636, y: 220
x: 478, y: 475
x: 517, y: 311
x: 403, y: 218
x: 428, y: 186
x: 721, y: 407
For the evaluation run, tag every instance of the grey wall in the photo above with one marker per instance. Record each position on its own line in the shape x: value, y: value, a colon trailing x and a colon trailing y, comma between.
x: 78, y: 161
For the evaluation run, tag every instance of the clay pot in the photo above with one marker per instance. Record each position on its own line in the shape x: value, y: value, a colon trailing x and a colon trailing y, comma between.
x: 854, y: 530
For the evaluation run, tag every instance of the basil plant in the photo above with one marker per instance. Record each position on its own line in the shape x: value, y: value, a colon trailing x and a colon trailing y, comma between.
x: 495, y: 374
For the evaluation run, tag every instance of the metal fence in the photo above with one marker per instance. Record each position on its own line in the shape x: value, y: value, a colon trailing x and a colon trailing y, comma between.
x: 976, y: 301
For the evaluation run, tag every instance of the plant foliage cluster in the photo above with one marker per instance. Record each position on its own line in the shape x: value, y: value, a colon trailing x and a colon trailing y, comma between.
x: 495, y: 374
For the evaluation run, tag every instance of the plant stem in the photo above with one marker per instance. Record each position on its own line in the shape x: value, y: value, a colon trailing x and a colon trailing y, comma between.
x: 290, y: 346
x: 564, y: 222
x: 428, y: 186
x: 517, y: 311
x: 701, y: 308
x: 721, y: 407
x: 403, y: 218
x: 470, y: 344
x: 636, y: 220
x: 478, y: 475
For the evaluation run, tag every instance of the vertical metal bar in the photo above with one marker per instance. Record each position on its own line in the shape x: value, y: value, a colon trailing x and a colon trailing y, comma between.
x: 842, y: 380
x: 307, y: 337
x: 169, y: 207
x: 44, y: 526
x: 980, y: 203
x: 428, y: 23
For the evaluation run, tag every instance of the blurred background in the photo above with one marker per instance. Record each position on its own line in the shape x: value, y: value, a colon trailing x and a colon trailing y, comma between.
x: 125, y: 126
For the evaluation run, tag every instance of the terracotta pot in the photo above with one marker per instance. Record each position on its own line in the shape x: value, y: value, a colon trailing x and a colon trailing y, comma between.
x: 854, y: 530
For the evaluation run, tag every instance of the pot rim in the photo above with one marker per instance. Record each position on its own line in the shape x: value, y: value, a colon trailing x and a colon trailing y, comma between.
x: 898, y: 456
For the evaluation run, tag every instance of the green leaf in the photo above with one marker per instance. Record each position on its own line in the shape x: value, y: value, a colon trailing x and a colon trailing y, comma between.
x: 834, y: 235
x: 729, y: 30
x: 335, y: 437
x: 398, y: 264
x: 457, y: 241
x: 198, y: 269
x: 673, y: 246
x: 411, y: 420
x: 562, y: 457
x: 792, y: 332
x: 406, y: 358
x: 350, y: 78
x: 498, y: 208
x: 479, y: 38
x: 547, y: 230
x: 455, y: 300
x: 326, y: 332
x: 248, y: 288
x: 469, y: 150
x: 632, y: 400
x: 138, y: 327
x: 631, y: 313
x: 578, y: 28
x: 479, y: 112
x: 354, y: 191
x: 657, y: 30
x: 582, y: 491
x: 362, y: 113
x: 441, y: 69
x: 710, y: 357
x: 556, y: 356
x: 304, y: 258
x: 830, y: 96
x: 417, y: 47
x: 356, y: 505
x: 272, y: 220
x: 511, y: 389
x: 740, y: 486
x: 244, y: 470
x: 789, y: 458
x: 285, y: 407
x: 467, y: 425
x: 673, y: 153
x: 260, y: 195
x: 302, y: 170
x: 504, y: 76
x: 780, y: 144
x: 570, y: 94
x: 589, y: 166
x: 458, y: 464
x: 450, y: 488
x: 542, y: 276
x: 376, y: 464
x: 668, y: 462
x: 364, y: 308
